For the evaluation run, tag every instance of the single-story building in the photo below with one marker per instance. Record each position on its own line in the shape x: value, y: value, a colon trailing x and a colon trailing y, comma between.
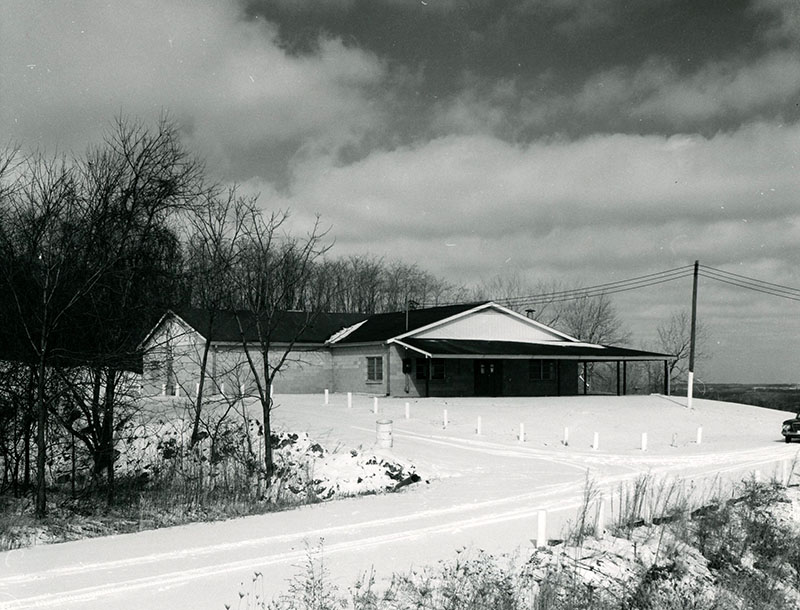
x: 173, y: 351
x: 475, y: 349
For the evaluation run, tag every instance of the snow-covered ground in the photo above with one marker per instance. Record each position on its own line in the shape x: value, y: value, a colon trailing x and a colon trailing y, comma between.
x: 482, y: 491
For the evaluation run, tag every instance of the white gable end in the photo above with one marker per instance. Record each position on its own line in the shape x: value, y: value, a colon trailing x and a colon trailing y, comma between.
x: 174, y: 331
x: 490, y: 325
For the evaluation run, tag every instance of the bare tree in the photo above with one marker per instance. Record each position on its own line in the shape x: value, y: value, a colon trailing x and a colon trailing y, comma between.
x: 211, y: 250
x: 271, y: 266
x: 674, y: 337
x: 76, y: 240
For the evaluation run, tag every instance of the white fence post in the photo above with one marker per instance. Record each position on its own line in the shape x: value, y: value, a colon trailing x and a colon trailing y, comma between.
x: 375, y: 404
x: 444, y: 419
x: 522, y: 433
x: 349, y: 400
x: 479, y: 426
x: 566, y: 436
x: 596, y: 441
x: 600, y: 523
x: 327, y: 400
x: 408, y: 411
x: 644, y: 441
x: 541, y: 529
x: 699, y: 434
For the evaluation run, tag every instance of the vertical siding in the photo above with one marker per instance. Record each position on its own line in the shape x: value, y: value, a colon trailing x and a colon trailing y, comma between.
x: 489, y: 325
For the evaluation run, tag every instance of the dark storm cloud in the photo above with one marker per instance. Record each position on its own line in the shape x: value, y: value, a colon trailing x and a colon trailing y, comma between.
x: 556, y: 139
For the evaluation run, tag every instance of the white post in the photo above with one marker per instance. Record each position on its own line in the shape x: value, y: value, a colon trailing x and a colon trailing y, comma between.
x: 690, y: 390
x: 600, y: 524
x: 349, y: 400
x: 566, y: 436
x: 375, y: 404
x: 784, y: 473
x: 522, y: 433
x: 596, y: 441
x: 408, y: 411
x: 163, y: 389
x: 699, y: 434
x: 644, y: 441
x: 674, y: 439
x: 479, y: 426
x: 326, y: 396
x: 541, y: 530
x: 444, y: 419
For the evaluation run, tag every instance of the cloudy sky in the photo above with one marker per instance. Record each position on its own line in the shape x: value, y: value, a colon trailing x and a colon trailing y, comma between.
x: 584, y: 141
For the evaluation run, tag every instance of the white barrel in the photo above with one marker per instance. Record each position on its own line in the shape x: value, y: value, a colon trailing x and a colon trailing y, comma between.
x: 383, y: 432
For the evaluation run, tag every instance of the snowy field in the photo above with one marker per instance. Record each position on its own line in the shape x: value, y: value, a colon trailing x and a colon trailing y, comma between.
x: 477, y: 491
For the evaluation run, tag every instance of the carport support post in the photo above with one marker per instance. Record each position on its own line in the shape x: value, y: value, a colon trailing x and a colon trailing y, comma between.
x: 585, y: 381
x: 624, y: 377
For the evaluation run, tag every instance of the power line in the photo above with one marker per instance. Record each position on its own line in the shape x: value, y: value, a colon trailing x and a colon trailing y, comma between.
x: 749, y: 283
x: 652, y: 279
x: 635, y: 283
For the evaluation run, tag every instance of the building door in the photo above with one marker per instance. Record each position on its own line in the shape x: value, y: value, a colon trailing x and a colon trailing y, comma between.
x: 488, y: 378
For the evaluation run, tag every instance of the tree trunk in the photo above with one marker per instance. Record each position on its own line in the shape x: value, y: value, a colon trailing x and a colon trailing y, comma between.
x: 198, y: 405
x: 108, y: 433
x: 266, y: 408
x: 41, y: 440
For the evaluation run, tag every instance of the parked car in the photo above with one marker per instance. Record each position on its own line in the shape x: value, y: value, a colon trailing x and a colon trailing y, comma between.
x: 791, y: 429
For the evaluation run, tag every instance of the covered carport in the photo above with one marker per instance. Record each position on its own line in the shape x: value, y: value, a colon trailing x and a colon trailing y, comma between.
x: 505, y: 368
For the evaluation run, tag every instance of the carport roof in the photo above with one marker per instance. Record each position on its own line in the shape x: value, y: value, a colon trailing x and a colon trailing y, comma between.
x: 469, y: 348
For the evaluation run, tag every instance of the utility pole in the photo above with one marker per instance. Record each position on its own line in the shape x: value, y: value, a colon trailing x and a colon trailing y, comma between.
x: 690, y: 382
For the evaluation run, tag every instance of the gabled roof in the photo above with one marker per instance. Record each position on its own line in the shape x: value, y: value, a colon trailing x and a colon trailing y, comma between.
x: 384, y: 326
x: 287, y: 326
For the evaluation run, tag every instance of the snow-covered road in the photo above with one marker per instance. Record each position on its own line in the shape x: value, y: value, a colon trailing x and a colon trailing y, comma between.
x: 484, y: 492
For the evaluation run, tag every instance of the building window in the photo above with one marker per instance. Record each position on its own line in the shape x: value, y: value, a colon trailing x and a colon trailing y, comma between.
x: 375, y: 368
x: 542, y: 370
x: 435, y: 365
